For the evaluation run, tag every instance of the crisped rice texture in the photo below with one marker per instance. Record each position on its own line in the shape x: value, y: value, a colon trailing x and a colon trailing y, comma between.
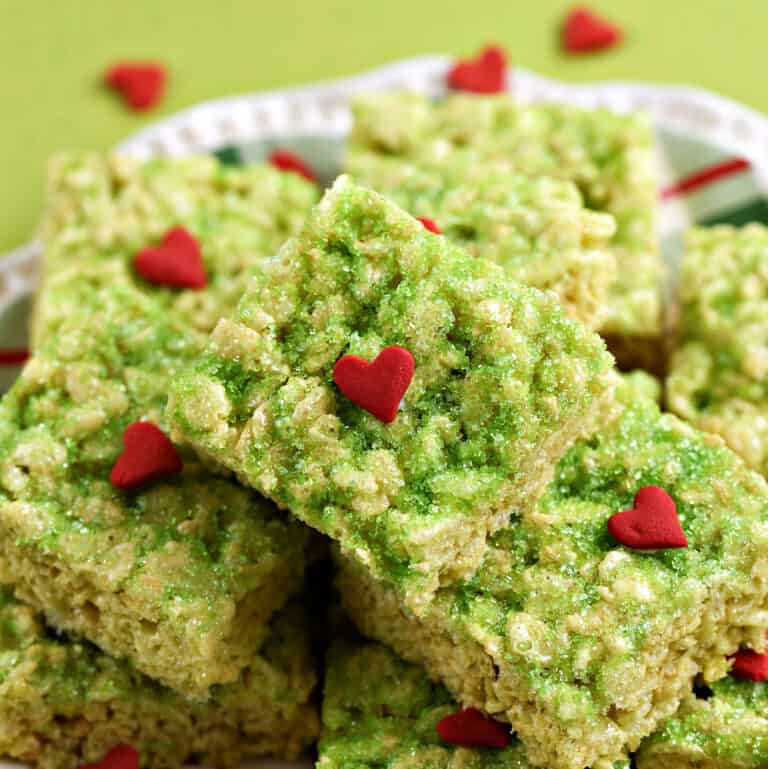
x: 718, y: 378
x: 103, y: 209
x: 180, y: 577
x: 64, y: 704
x: 584, y: 645
x: 504, y: 383
x: 380, y: 712
x: 608, y: 156
x: 726, y: 730
x: 536, y: 228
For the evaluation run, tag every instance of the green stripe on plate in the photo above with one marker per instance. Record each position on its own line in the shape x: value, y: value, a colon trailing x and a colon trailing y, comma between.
x: 230, y: 156
x: 754, y: 211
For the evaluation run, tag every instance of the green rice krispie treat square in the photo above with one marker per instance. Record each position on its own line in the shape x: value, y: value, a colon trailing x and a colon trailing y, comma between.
x: 383, y: 713
x: 585, y: 645
x: 608, y: 156
x: 504, y: 383
x: 179, y: 576
x: 103, y: 209
x: 727, y: 730
x: 718, y: 377
x: 536, y: 228
x: 64, y: 704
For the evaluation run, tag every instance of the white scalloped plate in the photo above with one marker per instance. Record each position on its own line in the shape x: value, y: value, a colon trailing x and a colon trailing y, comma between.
x: 700, y: 134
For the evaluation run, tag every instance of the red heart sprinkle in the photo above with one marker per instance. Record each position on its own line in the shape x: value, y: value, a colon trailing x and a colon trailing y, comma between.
x: 585, y: 31
x: 487, y: 73
x: 148, y: 456
x: 377, y: 387
x: 430, y: 225
x: 652, y: 524
x: 471, y: 729
x: 121, y: 757
x: 292, y: 163
x: 176, y: 262
x: 750, y: 665
x: 141, y: 83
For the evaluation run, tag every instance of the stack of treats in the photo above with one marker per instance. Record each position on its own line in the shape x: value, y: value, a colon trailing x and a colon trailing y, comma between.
x: 237, y: 380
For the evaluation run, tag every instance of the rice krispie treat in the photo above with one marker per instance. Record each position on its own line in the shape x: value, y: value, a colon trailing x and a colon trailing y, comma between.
x: 536, y: 228
x: 103, y: 210
x: 175, y: 570
x: 727, y: 730
x: 609, y: 157
x: 64, y: 704
x: 495, y: 382
x: 718, y: 377
x: 384, y: 713
x: 583, y: 643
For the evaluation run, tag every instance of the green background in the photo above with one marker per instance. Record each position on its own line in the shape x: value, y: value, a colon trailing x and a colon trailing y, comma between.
x: 52, y: 54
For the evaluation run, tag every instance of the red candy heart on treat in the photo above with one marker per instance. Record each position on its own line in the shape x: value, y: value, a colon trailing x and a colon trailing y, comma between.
x: 652, y: 524
x: 471, y: 729
x: 176, y: 262
x: 121, y: 757
x: 750, y: 665
x: 141, y: 84
x: 487, y: 73
x: 585, y: 31
x: 289, y: 161
x: 430, y: 225
x: 377, y: 387
x: 148, y: 455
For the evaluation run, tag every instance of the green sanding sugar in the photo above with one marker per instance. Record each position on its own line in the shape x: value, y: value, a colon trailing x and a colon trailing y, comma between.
x: 404, y: 143
x: 562, y: 630
x: 726, y: 730
x: 504, y: 383
x: 718, y: 374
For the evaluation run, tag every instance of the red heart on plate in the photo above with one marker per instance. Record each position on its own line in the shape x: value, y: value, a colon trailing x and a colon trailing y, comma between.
x: 471, y: 729
x: 430, y: 225
x: 585, y: 31
x: 487, y: 73
x: 176, y: 262
x: 141, y: 84
x: 652, y: 524
x: 148, y: 455
x: 121, y: 757
x: 377, y: 387
x: 750, y: 665
x: 292, y: 163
